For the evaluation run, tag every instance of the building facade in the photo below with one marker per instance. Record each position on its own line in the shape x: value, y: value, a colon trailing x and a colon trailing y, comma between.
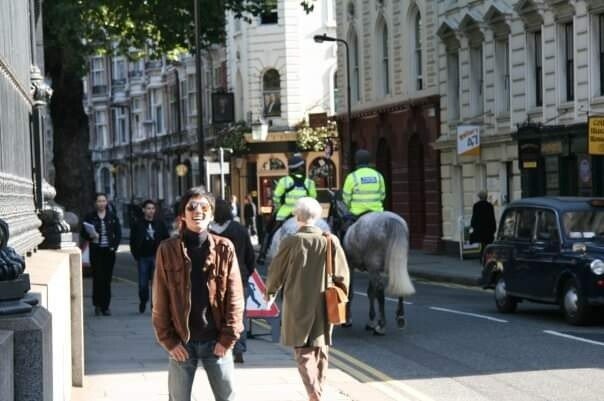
x: 143, y: 124
x: 395, y: 106
x: 526, y: 74
x: 279, y: 76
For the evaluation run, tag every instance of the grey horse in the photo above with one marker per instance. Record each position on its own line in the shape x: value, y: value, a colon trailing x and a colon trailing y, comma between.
x: 378, y: 243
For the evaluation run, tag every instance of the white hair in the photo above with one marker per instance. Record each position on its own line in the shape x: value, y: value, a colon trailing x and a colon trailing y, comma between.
x: 307, y: 210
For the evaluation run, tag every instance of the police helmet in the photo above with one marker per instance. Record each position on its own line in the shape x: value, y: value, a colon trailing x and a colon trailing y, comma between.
x: 361, y: 157
x: 295, y: 163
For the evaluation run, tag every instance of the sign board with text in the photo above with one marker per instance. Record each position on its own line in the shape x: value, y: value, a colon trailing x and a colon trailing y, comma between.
x: 595, y: 134
x: 468, y: 140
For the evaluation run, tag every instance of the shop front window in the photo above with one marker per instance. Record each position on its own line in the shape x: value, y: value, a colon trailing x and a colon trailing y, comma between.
x: 323, y: 172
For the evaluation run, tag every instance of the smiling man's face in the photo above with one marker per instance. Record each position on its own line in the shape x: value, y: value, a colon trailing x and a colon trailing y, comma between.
x: 198, y: 214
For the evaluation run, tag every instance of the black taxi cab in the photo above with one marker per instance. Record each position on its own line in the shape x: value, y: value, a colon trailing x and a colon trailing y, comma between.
x: 549, y: 250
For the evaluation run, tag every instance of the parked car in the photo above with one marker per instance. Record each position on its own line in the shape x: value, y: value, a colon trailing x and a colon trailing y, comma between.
x: 549, y: 250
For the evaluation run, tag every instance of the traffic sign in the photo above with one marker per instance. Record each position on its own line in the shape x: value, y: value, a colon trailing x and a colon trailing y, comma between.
x: 256, y: 304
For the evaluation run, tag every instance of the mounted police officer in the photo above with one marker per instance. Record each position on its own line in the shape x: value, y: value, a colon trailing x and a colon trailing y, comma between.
x: 287, y: 191
x: 364, y: 189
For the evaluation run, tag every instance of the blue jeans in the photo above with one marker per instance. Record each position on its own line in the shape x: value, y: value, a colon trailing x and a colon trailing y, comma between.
x: 220, y: 372
x: 146, y: 266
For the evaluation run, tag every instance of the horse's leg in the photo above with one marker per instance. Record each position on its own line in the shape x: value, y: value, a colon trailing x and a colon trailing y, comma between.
x: 380, y: 328
x: 400, y: 313
x: 371, y: 297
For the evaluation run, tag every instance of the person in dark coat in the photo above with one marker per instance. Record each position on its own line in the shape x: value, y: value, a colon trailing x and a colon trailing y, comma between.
x: 103, y: 231
x: 249, y: 215
x: 225, y: 226
x: 483, y: 222
x: 145, y: 236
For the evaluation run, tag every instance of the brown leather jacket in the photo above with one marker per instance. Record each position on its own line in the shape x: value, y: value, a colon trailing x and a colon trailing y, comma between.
x: 172, y: 292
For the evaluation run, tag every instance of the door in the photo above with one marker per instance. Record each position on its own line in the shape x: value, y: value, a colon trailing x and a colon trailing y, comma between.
x: 417, y: 198
x: 545, y: 267
x: 518, y: 280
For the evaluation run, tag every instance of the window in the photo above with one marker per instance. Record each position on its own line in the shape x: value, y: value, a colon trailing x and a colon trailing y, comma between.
x: 583, y: 224
x: 526, y: 225
x: 183, y: 104
x: 118, y: 73
x: 453, y: 104
x: 136, y: 69
x: 477, y: 79
x: 98, y: 75
x: 508, y: 225
x: 157, y: 110
x: 535, y: 60
x: 568, y: 67
x: 106, y: 181
x: 191, y: 98
x: 356, y: 71
x: 119, y: 125
x: 270, y: 14
x: 417, y: 53
x: 547, y: 226
x: 271, y: 93
x: 137, y: 118
x: 601, y: 51
x: 100, y: 129
x: 502, y: 65
x: 383, y: 59
x: 174, y: 116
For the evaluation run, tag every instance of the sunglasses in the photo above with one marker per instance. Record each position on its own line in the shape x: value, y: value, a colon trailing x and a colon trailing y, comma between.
x: 192, y: 206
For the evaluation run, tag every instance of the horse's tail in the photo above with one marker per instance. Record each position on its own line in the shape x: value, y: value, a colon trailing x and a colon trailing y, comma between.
x: 399, y: 282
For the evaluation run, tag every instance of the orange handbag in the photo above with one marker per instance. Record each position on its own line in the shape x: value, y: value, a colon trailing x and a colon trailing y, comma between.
x: 335, y: 296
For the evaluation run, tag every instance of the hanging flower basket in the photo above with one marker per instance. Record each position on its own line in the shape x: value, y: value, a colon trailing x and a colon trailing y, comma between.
x: 314, y: 139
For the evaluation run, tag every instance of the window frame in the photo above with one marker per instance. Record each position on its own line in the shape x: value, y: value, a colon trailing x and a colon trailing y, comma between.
x: 534, y: 224
x: 417, y: 52
x: 271, y: 91
x: 569, y: 59
x: 540, y: 213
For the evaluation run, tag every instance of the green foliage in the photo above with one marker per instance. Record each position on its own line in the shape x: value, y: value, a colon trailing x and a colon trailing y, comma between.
x: 233, y: 137
x: 314, y: 139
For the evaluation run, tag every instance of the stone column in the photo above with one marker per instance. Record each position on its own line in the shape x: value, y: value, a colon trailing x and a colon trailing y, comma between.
x: 7, y: 390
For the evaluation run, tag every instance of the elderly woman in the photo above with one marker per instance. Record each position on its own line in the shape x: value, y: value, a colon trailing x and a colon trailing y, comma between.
x: 299, y: 268
x: 483, y: 221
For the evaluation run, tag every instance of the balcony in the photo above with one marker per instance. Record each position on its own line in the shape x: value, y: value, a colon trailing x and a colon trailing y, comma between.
x: 153, y: 64
x: 135, y: 74
x: 99, y: 90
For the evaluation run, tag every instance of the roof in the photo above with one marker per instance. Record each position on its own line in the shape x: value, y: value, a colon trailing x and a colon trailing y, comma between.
x: 557, y: 202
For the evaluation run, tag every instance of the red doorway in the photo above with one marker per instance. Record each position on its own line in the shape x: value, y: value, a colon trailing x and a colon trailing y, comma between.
x: 417, y: 196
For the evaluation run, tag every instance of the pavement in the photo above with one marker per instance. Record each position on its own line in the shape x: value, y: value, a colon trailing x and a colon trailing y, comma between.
x: 124, y: 361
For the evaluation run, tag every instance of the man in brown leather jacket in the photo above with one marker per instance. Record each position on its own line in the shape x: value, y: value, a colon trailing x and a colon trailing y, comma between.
x: 198, y: 323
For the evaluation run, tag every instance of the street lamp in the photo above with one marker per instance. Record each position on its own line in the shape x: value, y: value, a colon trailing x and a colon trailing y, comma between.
x: 200, y: 138
x: 348, y: 143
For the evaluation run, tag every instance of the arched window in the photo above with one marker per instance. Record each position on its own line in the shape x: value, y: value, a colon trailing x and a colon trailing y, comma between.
x: 356, y: 71
x: 271, y: 93
x: 383, y: 81
x: 323, y: 172
x: 417, y: 51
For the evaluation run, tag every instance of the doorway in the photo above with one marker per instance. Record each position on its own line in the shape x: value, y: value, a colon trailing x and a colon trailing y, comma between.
x: 383, y: 163
x: 417, y: 196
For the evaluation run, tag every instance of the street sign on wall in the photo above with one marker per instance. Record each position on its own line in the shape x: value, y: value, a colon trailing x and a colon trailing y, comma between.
x: 595, y: 134
x: 468, y: 140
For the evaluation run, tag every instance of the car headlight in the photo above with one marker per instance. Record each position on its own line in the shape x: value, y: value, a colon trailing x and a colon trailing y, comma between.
x: 597, y: 266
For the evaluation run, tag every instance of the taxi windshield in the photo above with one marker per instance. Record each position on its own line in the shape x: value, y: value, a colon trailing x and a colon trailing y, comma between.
x: 584, y: 224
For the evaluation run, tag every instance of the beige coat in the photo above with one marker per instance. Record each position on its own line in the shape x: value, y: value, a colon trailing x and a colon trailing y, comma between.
x: 299, y: 269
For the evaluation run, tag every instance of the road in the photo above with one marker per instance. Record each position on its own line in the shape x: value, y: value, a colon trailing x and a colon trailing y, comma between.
x: 457, y: 347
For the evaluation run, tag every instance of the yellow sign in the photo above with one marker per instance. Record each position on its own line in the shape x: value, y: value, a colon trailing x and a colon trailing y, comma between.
x: 595, y: 134
x: 529, y: 165
x: 181, y: 170
x: 468, y: 140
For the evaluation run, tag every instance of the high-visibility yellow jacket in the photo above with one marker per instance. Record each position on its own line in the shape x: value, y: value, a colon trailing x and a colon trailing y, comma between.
x: 364, y: 191
x: 287, y: 192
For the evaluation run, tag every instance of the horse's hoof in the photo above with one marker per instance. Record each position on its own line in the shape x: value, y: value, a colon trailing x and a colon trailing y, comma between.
x: 401, y: 322
x: 379, y: 331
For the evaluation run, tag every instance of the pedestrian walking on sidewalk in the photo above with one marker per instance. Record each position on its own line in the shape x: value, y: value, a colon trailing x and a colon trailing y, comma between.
x: 225, y: 226
x: 103, y: 231
x: 483, y: 222
x: 299, y: 270
x: 198, y: 305
x: 145, y: 236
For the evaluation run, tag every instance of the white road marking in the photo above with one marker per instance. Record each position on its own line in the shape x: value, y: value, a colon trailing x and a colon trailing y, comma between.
x: 386, y: 298
x: 585, y: 340
x: 493, y: 319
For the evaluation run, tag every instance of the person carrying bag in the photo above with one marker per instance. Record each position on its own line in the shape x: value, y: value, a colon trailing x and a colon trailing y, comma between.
x: 336, y: 296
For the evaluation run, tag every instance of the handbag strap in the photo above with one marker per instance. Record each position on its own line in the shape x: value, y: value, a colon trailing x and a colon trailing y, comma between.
x: 329, y: 259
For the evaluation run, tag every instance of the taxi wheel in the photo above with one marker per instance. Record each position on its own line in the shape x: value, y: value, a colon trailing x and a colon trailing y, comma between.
x: 504, y: 302
x: 573, y: 304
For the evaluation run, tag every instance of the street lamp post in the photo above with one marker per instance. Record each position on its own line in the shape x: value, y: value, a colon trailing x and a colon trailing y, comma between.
x: 221, y: 152
x: 200, y: 138
x: 348, y: 142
